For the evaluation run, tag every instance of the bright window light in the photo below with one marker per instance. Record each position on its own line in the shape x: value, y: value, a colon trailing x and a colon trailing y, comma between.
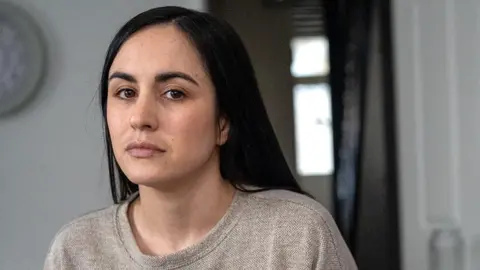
x: 313, y: 129
x: 310, y: 56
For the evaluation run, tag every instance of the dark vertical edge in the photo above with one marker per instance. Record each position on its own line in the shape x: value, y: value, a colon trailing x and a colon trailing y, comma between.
x: 390, y: 134
x: 365, y: 8
x: 209, y: 6
x: 336, y: 37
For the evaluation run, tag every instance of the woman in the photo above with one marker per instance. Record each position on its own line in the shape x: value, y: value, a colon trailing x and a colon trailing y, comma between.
x: 196, y: 173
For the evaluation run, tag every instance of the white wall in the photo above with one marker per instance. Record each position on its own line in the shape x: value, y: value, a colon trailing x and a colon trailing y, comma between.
x: 438, y: 98
x: 52, y: 164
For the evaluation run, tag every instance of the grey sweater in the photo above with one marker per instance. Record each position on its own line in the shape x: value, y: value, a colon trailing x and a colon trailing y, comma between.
x: 266, y: 230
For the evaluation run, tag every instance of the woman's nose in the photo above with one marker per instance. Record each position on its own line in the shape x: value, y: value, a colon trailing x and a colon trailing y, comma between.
x: 144, y: 114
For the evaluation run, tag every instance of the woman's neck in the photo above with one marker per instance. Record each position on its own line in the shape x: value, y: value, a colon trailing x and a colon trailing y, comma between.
x: 166, y: 221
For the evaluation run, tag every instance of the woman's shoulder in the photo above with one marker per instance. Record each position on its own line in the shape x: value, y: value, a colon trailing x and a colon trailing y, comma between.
x: 291, y: 217
x: 294, y: 210
x: 88, y: 224
x: 292, y: 203
x: 82, y: 233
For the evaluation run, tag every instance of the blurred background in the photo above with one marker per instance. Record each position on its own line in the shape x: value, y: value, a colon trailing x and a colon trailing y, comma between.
x: 374, y: 103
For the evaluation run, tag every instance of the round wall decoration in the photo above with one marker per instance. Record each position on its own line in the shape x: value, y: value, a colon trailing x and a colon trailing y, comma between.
x: 22, y: 57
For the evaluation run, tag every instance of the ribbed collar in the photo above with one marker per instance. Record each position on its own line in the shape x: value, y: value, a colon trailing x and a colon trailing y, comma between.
x: 186, y: 256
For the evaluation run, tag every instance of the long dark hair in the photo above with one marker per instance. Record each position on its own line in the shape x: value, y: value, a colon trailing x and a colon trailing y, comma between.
x: 251, y: 157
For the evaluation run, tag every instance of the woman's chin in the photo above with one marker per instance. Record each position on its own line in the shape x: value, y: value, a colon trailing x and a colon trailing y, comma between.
x: 146, y: 179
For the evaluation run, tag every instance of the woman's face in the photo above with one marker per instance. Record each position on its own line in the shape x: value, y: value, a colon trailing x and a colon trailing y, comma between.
x: 161, y: 111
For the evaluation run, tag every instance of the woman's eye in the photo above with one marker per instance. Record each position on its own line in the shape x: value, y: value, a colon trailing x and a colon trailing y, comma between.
x: 126, y: 93
x: 174, y: 94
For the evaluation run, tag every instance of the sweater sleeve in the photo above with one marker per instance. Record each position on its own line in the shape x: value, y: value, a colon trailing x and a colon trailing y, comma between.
x: 52, y: 262
x: 56, y: 254
x: 334, y: 253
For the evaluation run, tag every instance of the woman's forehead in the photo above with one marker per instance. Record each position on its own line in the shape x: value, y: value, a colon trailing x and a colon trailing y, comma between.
x: 159, y: 47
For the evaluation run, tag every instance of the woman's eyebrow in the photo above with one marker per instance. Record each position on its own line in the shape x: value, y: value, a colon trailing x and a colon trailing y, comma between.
x: 123, y: 76
x: 161, y: 77
x: 166, y: 76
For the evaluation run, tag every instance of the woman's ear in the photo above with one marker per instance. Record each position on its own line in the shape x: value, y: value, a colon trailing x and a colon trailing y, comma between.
x: 223, y: 128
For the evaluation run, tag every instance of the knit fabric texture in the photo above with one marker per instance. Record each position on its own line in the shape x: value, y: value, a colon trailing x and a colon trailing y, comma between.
x: 274, y: 229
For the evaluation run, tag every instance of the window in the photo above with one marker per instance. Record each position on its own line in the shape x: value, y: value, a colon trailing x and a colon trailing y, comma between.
x: 310, y: 56
x: 312, y: 106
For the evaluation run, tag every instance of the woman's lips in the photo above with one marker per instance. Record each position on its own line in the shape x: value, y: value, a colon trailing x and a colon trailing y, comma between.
x: 143, y: 149
x: 141, y: 152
